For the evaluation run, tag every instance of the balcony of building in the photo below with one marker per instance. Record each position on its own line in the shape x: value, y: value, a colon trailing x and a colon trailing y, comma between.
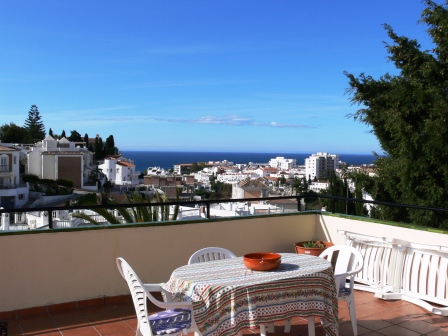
x: 65, y: 281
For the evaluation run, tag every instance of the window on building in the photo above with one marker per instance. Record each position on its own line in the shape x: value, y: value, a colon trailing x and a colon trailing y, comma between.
x: 21, y: 196
x: 4, y: 163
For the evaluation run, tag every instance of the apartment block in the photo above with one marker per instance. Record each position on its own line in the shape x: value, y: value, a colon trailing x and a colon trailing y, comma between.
x: 321, y: 164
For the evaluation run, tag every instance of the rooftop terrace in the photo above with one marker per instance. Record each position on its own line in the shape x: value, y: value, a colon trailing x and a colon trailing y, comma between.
x: 65, y: 281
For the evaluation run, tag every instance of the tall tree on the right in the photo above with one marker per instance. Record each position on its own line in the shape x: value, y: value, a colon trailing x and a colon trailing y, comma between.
x: 408, y: 113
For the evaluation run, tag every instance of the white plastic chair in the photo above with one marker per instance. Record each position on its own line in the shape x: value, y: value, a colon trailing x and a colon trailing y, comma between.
x: 177, y: 317
x: 347, y: 262
x: 210, y: 254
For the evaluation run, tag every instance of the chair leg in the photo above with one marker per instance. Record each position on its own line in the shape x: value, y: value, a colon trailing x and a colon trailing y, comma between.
x: 311, y: 326
x: 352, y: 310
x: 263, y: 329
x: 271, y: 328
x: 288, y: 325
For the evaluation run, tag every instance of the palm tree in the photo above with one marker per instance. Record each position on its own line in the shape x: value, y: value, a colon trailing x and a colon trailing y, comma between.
x: 134, y: 214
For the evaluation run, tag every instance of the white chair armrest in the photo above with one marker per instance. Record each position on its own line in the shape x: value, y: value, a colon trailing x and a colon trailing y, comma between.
x: 153, y: 287
x: 172, y: 305
x: 162, y: 304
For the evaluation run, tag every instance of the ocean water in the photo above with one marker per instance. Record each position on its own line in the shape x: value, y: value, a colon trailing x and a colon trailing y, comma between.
x: 166, y: 160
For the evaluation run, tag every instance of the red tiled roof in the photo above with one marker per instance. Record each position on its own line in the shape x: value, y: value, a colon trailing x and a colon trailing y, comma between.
x: 4, y: 148
x: 62, y: 153
x: 125, y: 163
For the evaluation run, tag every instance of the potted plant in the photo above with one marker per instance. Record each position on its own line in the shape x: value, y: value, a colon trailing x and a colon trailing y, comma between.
x: 312, y: 247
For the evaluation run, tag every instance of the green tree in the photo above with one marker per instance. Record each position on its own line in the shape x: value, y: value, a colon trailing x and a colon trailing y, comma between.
x: 133, y: 214
x: 338, y: 187
x: 282, y: 180
x: 408, y: 115
x: 86, y: 140
x: 13, y: 134
x: 197, y: 166
x: 109, y: 147
x: 50, y: 132
x: 34, y: 125
x: 75, y: 136
x: 98, y: 148
x: 63, y: 134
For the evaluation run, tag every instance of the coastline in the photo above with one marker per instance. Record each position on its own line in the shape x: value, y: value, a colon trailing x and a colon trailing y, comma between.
x: 166, y: 159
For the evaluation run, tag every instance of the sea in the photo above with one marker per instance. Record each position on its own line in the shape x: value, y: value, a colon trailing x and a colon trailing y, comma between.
x: 166, y: 160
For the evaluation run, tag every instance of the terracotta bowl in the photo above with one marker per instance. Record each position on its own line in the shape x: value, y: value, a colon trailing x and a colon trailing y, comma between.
x: 262, y: 261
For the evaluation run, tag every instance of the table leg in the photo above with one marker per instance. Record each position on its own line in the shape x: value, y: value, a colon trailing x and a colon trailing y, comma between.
x: 288, y: 325
x: 311, y: 326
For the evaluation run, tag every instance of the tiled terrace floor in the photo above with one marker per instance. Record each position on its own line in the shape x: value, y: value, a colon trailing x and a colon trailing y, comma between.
x: 375, y: 318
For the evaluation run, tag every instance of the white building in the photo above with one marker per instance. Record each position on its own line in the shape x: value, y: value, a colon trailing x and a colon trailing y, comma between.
x: 120, y: 171
x: 321, y: 164
x: 54, y: 159
x: 13, y: 194
x: 283, y: 164
x: 319, y: 186
x: 250, y: 188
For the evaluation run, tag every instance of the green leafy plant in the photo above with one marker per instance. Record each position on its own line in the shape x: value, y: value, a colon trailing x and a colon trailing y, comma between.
x: 135, y: 214
x: 313, y: 244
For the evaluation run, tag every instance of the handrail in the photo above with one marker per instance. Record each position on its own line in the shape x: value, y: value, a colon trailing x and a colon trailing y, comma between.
x: 207, y: 204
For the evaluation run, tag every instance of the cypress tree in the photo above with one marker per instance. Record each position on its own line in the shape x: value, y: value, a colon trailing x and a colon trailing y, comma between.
x: 408, y: 115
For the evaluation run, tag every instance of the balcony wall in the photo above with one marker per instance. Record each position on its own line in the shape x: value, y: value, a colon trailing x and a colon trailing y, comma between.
x: 329, y: 225
x: 43, y: 268
x: 52, y: 267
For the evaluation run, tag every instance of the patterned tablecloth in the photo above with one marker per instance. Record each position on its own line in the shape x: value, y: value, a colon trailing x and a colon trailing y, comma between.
x: 228, y: 297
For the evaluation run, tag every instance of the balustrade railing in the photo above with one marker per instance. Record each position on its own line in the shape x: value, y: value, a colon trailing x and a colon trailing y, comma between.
x: 205, y: 206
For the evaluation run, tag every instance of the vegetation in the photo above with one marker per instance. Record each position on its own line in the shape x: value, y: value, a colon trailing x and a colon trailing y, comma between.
x: 48, y: 186
x: 11, y: 133
x: 131, y: 214
x: 34, y: 125
x: 313, y: 244
x: 408, y: 115
x: 197, y: 166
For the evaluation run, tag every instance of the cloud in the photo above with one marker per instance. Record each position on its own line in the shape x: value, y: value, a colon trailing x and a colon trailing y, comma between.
x: 228, y: 120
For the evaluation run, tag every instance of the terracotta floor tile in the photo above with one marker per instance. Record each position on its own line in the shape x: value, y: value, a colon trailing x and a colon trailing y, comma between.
x: 346, y: 329
x: 131, y: 322
x: 364, y: 297
x: 375, y: 317
x: 392, y: 316
x: 64, y: 322
x: 411, y: 309
x: 419, y: 326
x: 437, y: 320
x: 81, y: 331
x: 373, y: 324
x: 367, y: 310
x: 389, y: 304
x: 397, y: 330
x: 438, y: 332
x: 111, y: 328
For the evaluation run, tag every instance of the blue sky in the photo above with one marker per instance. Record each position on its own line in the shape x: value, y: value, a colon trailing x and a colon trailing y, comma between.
x: 188, y: 75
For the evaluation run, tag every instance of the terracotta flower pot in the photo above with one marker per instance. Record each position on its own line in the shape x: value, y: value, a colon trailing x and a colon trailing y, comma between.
x: 314, y: 251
